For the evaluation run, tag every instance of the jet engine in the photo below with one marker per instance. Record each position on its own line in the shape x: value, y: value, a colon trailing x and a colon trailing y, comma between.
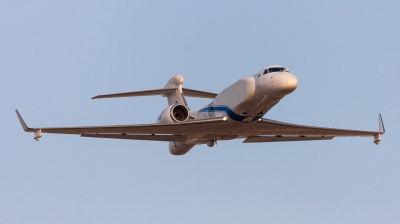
x: 174, y: 113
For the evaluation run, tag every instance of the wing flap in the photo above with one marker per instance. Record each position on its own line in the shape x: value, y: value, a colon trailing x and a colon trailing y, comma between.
x: 166, y: 138
x: 255, y: 139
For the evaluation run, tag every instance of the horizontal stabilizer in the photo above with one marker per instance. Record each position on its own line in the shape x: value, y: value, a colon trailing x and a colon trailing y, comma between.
x: 166, y: 138
x: 152, y: 92
x: 163, y: 92
x: 198, y: 93
x: 255, y: 139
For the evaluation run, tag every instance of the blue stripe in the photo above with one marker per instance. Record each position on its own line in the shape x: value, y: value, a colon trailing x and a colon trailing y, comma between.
x: 228, y: 111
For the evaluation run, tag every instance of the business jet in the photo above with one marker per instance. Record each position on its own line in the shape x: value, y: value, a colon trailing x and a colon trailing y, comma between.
x: 234, y: 113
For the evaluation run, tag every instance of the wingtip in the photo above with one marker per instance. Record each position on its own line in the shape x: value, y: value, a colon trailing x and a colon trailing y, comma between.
x: 381, y: 125
x: 23, y: 124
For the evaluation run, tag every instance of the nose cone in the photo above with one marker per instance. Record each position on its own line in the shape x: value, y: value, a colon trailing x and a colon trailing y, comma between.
x: 283, y: 84
x: 291, y: 83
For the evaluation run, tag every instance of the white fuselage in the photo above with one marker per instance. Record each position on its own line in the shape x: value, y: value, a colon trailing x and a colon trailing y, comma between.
x: 250, y: 98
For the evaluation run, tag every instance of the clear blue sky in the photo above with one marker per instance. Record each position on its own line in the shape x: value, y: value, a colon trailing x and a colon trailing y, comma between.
x: 54, y: 56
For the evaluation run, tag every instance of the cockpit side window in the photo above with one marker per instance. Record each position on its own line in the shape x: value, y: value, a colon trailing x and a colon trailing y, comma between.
x: 275, y: 69
x: 265, y: 71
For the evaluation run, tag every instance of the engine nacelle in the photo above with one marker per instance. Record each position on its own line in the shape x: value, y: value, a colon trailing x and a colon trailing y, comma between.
x: 171, y: 114
x: 179, y: 148
x: 174, y: 113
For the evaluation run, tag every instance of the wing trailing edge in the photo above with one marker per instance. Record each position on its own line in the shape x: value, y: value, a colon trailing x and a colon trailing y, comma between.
x: 256, y: 139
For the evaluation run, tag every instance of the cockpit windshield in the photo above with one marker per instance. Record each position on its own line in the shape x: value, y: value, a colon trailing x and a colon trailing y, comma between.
x: 276, y: 69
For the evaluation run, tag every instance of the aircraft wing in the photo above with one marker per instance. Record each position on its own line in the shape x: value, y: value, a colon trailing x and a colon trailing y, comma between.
x: 263, y: 130
x: 271, y: 131
x: 158, y: 132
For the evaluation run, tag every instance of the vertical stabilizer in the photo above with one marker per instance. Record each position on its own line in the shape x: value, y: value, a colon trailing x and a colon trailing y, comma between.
x: 175, y: 97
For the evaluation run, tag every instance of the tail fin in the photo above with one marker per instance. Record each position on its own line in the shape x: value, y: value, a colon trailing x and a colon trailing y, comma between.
x: 176, y: 97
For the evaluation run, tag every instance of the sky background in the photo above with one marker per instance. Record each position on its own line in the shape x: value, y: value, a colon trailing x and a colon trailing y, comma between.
x: 56, y: 55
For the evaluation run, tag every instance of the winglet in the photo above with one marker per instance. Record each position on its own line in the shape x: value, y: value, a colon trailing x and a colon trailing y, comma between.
x: 23, y: 124
x: 381, y: 126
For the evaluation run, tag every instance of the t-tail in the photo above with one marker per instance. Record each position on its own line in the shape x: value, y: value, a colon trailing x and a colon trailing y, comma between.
x: 177, y: 110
